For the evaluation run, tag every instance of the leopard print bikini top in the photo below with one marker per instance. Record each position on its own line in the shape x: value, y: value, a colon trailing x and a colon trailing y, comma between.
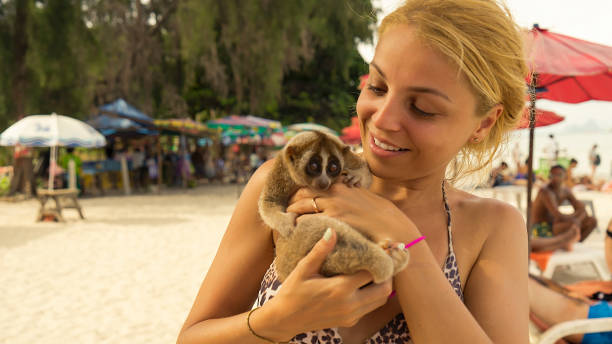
x: 395, y: 331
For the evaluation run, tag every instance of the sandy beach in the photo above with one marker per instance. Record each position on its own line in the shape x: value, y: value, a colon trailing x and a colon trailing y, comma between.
x: 129, y: 272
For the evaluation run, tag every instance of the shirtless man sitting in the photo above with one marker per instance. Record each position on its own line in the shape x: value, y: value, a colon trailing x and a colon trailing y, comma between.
x: 552, y: 229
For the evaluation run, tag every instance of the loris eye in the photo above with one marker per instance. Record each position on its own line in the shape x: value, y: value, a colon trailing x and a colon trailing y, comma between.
x: 313, y: 168
x: 333, y: 167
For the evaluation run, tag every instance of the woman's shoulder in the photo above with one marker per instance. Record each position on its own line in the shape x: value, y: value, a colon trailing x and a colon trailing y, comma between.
x: 487, y: 216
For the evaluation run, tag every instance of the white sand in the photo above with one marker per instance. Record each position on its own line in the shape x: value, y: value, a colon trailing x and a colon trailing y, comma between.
x: 127, y: 274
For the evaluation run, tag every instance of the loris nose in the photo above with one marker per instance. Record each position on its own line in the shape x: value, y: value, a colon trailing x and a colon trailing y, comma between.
x: 324, y: 183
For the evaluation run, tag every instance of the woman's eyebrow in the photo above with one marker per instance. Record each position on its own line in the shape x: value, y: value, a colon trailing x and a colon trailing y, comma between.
x: 418, y: 89
x: 378, y: 69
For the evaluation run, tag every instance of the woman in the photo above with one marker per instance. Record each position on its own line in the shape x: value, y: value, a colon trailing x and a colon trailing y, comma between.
x: 446, y: 83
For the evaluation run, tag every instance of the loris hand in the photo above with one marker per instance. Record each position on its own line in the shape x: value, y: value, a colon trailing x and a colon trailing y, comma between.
x: 364, y: 210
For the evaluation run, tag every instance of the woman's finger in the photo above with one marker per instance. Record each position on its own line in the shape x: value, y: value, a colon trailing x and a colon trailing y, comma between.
x: 301, y: 194
x: 310, y: 205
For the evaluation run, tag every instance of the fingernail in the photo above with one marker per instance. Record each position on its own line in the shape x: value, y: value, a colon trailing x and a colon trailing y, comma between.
x: 401, y: 245
x: 392, y: 294
x: 328, y: 234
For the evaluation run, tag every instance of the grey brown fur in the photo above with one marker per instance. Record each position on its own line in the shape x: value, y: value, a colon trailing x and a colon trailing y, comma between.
x: 354, y: 251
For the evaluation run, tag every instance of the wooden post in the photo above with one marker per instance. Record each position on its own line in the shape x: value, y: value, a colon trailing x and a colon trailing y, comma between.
x: 125, y: 176
x: 159, y: 164
x: 532, y: 112
x: 72, y: 183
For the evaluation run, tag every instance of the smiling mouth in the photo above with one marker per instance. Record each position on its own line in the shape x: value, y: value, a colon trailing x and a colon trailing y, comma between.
x: 388, y: 147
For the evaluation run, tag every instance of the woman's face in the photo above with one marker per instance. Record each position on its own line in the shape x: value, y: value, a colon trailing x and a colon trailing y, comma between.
x: 416, y: 110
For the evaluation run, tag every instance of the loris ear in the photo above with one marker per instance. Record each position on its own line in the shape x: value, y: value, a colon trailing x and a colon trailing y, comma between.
x: 290, y: 153
x: 346, y: 149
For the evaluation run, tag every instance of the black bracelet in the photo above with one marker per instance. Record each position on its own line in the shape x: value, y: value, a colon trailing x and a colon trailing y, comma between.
x: 253, y: 332
x: 609, y: 233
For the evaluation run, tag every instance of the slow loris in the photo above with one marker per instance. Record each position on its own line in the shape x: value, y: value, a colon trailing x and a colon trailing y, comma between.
x: 317, y: 160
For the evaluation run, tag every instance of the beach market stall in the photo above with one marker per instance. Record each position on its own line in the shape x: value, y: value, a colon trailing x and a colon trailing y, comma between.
x: 121, y: 121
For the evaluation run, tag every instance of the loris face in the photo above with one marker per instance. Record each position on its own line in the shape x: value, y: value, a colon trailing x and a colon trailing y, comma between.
x: 323, y: 168
x: 315, y: 159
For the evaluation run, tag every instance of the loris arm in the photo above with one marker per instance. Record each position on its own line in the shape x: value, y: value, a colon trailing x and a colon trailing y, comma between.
x: 274, y: 200
x: 356, y: 171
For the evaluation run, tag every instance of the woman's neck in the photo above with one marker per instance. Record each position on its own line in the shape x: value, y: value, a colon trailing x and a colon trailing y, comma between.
x: 414, y: 193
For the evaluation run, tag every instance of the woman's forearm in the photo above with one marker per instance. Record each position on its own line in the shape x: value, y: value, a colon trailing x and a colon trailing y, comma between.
x: 234, y: 329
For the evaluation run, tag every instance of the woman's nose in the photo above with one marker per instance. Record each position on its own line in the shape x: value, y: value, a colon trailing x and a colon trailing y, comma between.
x: 387, y: 115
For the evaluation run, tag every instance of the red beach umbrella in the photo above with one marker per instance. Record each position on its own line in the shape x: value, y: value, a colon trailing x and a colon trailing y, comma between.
x: 351, y: 134
x: 543, y: 118
x: 564, y: 69
x: 570, y: 70
x: 362, y: 81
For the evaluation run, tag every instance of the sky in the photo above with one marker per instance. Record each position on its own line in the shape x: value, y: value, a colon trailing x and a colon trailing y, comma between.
x: 584, y: 19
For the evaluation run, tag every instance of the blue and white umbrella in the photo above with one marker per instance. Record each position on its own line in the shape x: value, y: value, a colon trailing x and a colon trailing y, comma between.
x: 51, y: 131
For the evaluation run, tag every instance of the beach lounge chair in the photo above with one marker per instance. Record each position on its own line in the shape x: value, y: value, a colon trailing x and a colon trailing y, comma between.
x: 555, y: 334
x: 592, y: 254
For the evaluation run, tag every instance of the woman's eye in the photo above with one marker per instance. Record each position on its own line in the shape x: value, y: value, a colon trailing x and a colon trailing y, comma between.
x: 377, y: 90
x: 420, y: 112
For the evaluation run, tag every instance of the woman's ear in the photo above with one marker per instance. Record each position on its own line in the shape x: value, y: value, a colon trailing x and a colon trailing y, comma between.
x: 486, y: 123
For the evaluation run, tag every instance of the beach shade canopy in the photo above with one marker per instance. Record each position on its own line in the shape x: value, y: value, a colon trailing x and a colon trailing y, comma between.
x: 117, y: 126
x: 543, y: 118
x: 184, y: 126
x: 569, y: 70
x: 351, y: 134
x: 122, y: 109
x: 245, y: 125
x: 50, y: 131
x: 311, y: 127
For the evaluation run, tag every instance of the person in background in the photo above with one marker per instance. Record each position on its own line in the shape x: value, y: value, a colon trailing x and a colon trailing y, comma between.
x: 254, y: 161
x: 547, y: 221
x: 197, y: 159
x: 501, y: 176
x: 139, y: 169
x: 64, y: 161
x: 570, y: 180
x: 550, y: 303
x: 595, y: 160
x: 551, y: 150
x: 521, y: 173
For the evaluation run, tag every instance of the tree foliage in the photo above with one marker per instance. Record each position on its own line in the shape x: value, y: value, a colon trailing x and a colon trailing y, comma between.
x: 291, y: 60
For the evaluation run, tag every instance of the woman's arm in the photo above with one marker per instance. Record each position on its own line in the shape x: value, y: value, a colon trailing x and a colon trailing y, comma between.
x: 496, y: 301
x: 233, y: 280
x: 307, y: 301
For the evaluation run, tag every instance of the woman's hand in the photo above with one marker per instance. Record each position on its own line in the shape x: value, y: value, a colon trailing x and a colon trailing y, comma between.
x: 308, y: 301
x: 360, y: 208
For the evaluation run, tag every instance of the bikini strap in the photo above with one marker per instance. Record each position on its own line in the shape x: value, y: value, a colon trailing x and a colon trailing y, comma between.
x: 448, y: 217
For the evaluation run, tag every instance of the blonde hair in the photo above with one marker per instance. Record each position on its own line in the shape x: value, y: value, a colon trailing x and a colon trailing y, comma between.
x: 483, y: 40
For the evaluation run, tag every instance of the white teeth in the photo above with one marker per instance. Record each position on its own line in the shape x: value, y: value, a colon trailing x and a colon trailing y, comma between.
x: 386, y: 146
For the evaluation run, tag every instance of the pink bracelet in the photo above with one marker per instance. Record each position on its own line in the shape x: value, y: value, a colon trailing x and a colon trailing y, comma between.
x: 413, y: 242
x: 400, y: 245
